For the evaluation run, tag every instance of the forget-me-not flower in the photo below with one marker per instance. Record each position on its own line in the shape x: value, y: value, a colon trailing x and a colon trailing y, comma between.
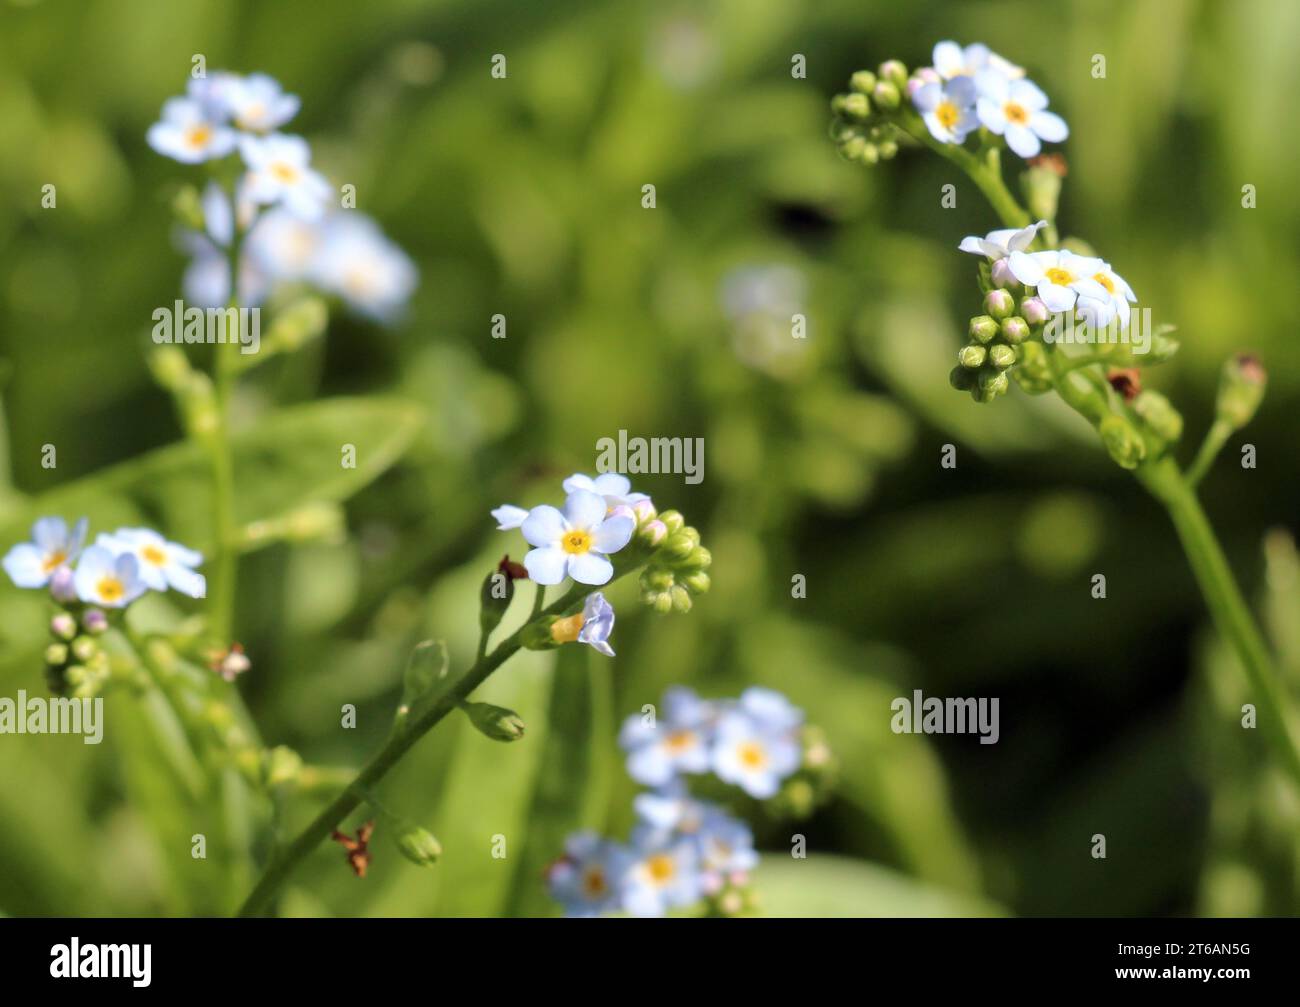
x: 53, y: 547
x: 575, y: 542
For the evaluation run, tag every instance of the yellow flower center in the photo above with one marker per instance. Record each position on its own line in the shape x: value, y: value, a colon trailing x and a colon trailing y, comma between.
x: 1105, y: 281
x: 752, y: 755
x: 679, y: 741
x: 948, y: 114
x: 1016, y: 114
x: 154, y: 555
x: 198, y: 135
x: 110, y: 589
x: 54, y: 560
x: 594, y: 884
x: 286, y: 173
x: 661, y: 868
x: 1062, y: 277
x: 576, y: 542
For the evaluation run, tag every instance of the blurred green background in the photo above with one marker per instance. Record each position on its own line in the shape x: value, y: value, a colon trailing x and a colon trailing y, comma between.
x: 522, y: 197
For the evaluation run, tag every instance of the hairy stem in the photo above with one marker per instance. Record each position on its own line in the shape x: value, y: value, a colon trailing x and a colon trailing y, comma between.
x: 424, y: 720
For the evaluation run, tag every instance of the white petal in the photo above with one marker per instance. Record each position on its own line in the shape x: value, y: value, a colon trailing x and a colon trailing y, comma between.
x: 1024, y: 237
x: 25, y: 565
x: 973, y: 245
x: 543, y: 527
x: 991, y: 115
x: 546, y: 566
x: 50, y: 534
x: 1050, y: 126
x: 1086, y: 286
x: 578, y: 481
x: 961, y: 92
x: 611, y: 484
x: 1027, y: 268
x: 1056, y: 297
x: 186, y: 581
x: 509, y: 516
x: 589, y: 568
x: 1027, y: 94
x: 584, y: 510
x: 927, y: 97
x: 1022, y: 140
x: 948, y: 58
x: 613, y: 534
x: 993, y: 85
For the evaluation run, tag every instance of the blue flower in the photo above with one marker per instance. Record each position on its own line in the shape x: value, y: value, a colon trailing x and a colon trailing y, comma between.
x: 509, y: 517
x: 162, y: 564
x: 360, y: 264
x: 726, y: 849
x: 597, y: 623
x: 756, y: 746
x: 771, y: 709
x: 615, y: 488
x: 280, y: 172
x: 588, y: 879
x: 107, y: 580
x: 257, y: 103
x: 663, y: 875
x: 676, y: 742
x: 188, y: 132
x: 575, y: 542
x: 53, y: 547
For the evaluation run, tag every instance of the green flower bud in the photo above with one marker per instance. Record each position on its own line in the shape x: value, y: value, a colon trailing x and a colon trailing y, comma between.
x: 63, y: 626
x: 895, y: 72
x: 496, y: 722
x: 699, y: 559
x: 972, y: 356
x: 1241, y: 390
x: 864, y: 82
x: 961, y: 378
x: 983, y: 328
x: 886, y: 95
x: 860, y: 151
x: 993, y: 382
x: 673, y: 520
x: 697, y: 583
x: 652, y: 533
x: 999, y: 304
x: 418, y: 845
x: 1015, y: 330
x: 424, y: 668
x: 680, y: 598
x: 663, y: 602
x: 1163, y: 345
x: 537, y: 634
x: 84, y: 649
x: 1034, y: 311
x: 1124, y: 443
x: 656, y: 578
x: 56, y: 655
x: 888, y: 149
x: 495, y: 596
x: 1034, y: 373
x: 1002, y: 356
x: 188, y: 207
x: 678, y: 545
x: 75, y: 675
x: 1159, y: 414
x: 856, y: 106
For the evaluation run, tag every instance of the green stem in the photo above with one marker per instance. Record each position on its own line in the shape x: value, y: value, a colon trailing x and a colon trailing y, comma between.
x: 398, y: 744
x: 1227, y: 606
x: 224, y: 526
x: 1215, y: 439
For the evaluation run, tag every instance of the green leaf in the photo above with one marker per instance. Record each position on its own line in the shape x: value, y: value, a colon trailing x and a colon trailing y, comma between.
x: 290, y: 458
x: 828, y: 886
x: 425, y: 669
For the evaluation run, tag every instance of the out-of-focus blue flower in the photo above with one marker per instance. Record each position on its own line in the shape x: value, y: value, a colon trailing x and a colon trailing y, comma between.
x: 52, y: 548
x: 770, y: 709
x: 362, y: 266
x: 280, y: 173
x: 213, y: 92
x: 588, y: 879
x: 726, y: 850
x: 258, y: 103
x: 162, y: 564
x: 662, y: 875
x: 677, y: 741
x: 752, y: 754
x: 108, y: 580
x: 188, y: 133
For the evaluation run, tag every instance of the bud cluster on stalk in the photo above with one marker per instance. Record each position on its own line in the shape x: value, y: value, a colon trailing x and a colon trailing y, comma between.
x: 863, y: 129
x: 995, y: 344
x: 75, y: 663
x: 677, y: 571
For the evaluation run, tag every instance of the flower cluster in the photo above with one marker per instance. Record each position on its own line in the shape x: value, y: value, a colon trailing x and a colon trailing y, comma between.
x: 965, y: 90
x: 684, y: 849
x: 280, y: 205
x: 1024, y: 290
x: 110, y: 574
x: 603, y: 516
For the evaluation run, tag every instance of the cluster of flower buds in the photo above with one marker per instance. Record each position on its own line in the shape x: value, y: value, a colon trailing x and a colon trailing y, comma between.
x: 812, y: 783
x: 996, y: 340
x: 862, y: 129
x: 679, y: 569
x: 74, y: 660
